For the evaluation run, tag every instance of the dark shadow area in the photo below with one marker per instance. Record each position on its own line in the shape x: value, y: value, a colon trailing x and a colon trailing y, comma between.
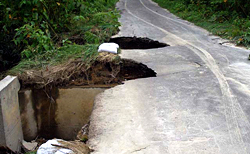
x: 133, y: 70
x: 5, y: 150
x: 9, y: 52
x: 137, y: 43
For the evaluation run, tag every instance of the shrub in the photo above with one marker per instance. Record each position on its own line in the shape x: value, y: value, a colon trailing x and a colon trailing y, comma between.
x: 39, y: 26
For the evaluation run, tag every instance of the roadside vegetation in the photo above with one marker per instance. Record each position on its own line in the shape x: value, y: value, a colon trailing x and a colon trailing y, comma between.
x: 226, y: 18
x: 36, y: 34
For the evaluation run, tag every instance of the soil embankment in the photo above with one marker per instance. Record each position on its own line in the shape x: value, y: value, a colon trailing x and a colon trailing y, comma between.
x: 108, y: 69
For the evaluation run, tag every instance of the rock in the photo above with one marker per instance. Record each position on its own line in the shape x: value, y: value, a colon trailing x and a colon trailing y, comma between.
x: 29, y: 146
x: 59, y: 146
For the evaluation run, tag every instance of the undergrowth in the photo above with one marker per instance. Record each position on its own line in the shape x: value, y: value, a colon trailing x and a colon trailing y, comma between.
x: 48, y: 32
x: 226, y: 18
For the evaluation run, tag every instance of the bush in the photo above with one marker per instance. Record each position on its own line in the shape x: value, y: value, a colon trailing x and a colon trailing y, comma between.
x: 38, y: 26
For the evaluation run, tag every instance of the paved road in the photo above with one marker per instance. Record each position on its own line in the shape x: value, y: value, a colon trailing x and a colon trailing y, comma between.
x: 199, y: 103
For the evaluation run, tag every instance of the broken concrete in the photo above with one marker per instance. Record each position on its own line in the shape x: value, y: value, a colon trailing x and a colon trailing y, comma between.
x: 29, y: 146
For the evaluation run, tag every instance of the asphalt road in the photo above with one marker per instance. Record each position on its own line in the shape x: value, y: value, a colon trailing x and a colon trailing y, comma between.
x: 199, y: 103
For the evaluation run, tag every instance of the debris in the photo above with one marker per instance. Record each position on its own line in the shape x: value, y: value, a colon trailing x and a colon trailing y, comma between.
x: 29, y: 146
x: 48, y: 148
x: 59, y: 146
x: 83, y: 133
x: 108, y: 47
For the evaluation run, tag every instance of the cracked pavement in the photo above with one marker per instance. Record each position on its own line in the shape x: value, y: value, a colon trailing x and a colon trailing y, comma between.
x: 198, y: 103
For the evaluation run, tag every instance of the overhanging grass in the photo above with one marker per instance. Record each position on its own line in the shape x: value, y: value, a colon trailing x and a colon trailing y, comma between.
x: 88, y: 53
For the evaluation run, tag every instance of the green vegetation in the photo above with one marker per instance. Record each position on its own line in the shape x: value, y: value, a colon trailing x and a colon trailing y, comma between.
x: 87, y: 53
x: 49, y: 32
x: 226, y: 18
x: 31, y: 152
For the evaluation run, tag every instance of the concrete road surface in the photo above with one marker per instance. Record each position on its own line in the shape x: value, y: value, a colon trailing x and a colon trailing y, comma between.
x: 199, y: 103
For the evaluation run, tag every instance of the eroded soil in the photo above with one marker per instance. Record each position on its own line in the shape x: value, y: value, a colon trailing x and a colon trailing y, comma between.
x: 104, y: 71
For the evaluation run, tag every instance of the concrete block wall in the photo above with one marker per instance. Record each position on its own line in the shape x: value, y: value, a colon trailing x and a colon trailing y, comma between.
x: 11, y: 135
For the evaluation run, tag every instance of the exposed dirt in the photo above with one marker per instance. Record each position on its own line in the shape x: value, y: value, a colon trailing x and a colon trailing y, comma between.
x: 107, y: 69
x: 137, y: 43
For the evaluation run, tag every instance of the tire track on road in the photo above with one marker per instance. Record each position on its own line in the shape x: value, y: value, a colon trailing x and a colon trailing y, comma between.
x: 225, y: 80
x: 228, y: 98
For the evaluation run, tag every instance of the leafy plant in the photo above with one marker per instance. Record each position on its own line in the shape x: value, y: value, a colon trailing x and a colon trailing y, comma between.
x: 39, y: 29
x: 37, y: 40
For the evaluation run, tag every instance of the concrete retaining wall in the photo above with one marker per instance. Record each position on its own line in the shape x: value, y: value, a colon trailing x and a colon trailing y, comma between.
x: 27, y: 114
x: 11, y: 135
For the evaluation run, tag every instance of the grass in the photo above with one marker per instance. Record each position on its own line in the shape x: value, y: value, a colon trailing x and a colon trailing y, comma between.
x: 230, y: 27
x: 87, y: 53
x: 93, y: 30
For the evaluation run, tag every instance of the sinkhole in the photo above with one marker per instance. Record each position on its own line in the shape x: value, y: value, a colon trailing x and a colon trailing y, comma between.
x: 61, y: 112
x: 60, y: 115
x: 137, y: 43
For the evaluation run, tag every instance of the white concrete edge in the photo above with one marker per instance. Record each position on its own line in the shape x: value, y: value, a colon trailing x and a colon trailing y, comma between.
x: 6, y: 81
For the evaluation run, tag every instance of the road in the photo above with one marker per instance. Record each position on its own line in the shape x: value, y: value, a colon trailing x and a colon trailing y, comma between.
x: 199, y: 103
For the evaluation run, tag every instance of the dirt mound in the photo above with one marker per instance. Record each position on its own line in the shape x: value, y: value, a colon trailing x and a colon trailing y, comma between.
x: 107, y: 69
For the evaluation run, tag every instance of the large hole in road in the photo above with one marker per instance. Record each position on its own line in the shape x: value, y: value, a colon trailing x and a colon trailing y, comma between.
x: 133, y: 70
x: 137, y: 43
x: 58, y: 113
x: 61, y: 112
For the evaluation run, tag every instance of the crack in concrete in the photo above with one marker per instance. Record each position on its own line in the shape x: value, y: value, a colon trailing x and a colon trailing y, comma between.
x: 140, y: 149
